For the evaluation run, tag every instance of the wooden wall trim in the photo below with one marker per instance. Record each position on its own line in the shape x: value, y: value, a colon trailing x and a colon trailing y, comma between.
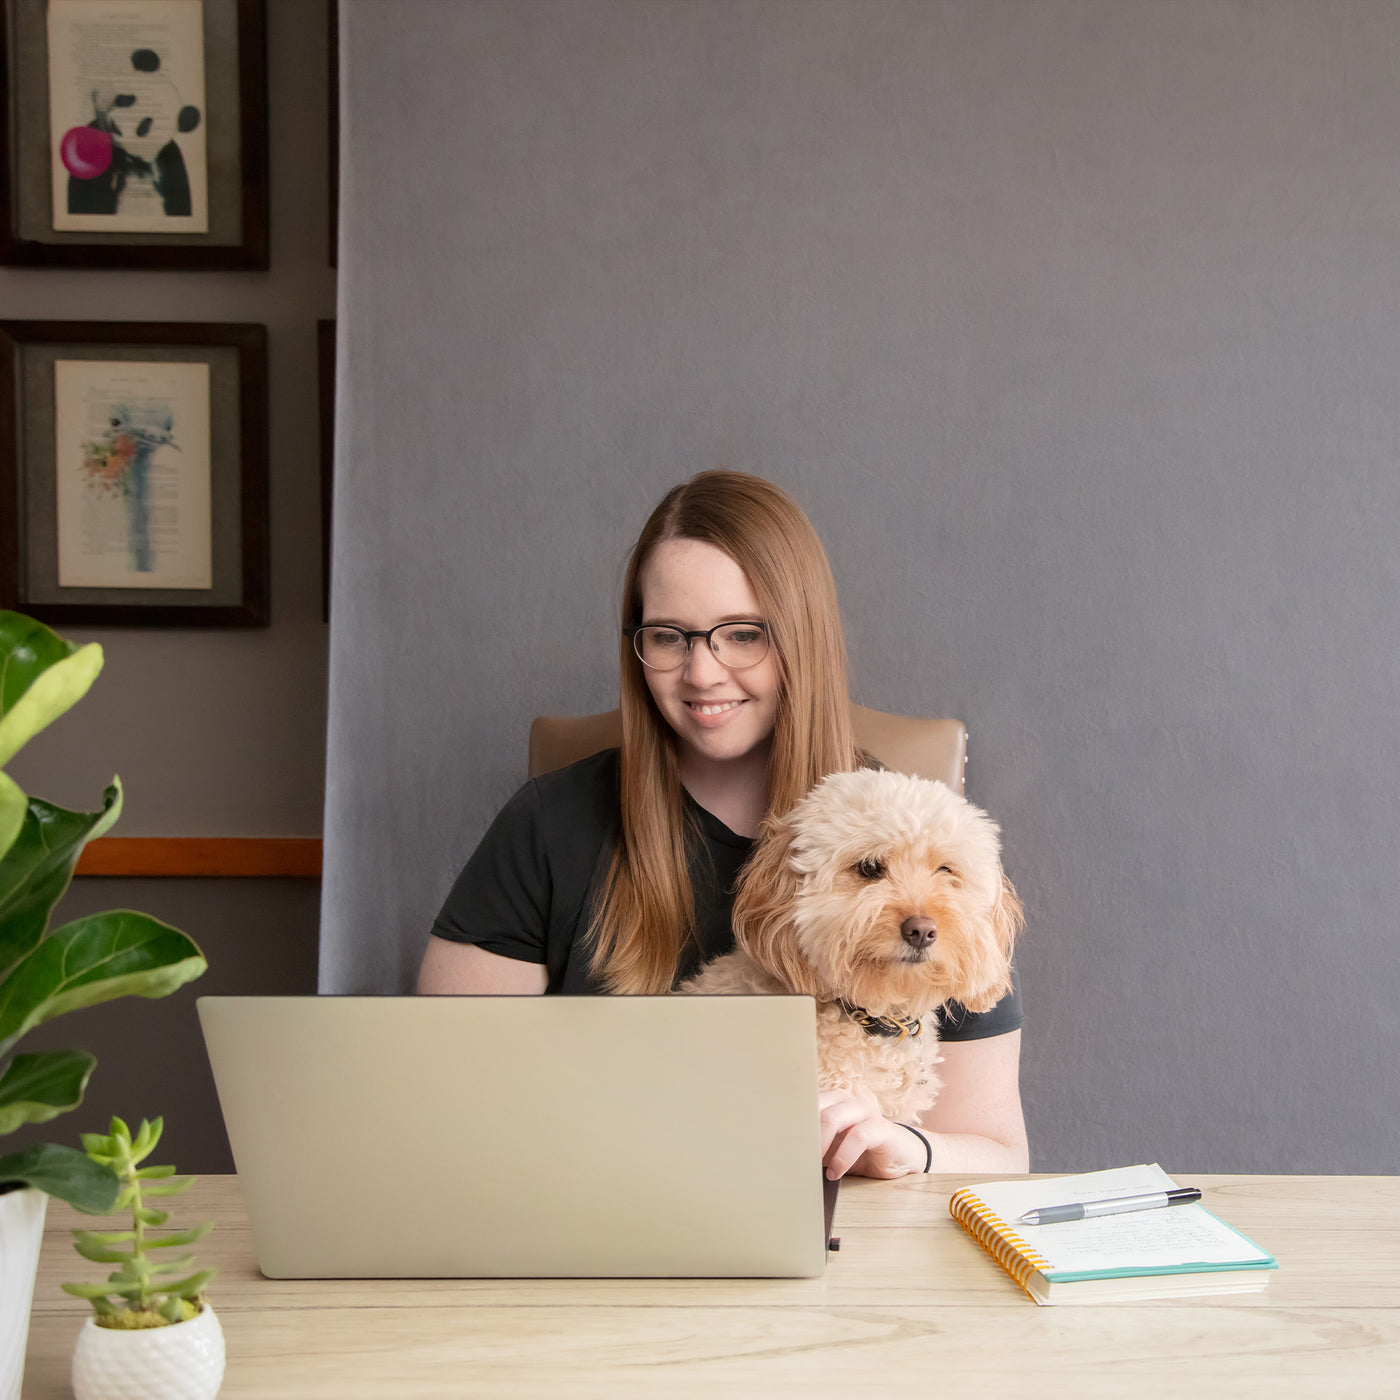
x: 298, y: 857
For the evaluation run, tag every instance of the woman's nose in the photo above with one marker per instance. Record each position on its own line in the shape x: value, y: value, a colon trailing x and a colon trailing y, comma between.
x: 702, y: 666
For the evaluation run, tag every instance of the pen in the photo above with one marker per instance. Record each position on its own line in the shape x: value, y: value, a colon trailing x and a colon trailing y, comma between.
x: 1087, y: 1210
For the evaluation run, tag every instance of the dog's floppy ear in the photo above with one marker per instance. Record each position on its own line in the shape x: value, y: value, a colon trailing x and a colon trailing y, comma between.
x: 1006, y: 919
x: 763, y: 910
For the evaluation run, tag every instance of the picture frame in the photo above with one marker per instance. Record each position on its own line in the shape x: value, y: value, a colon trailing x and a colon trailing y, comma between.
x: 174, y: 153
x: 133, y: 473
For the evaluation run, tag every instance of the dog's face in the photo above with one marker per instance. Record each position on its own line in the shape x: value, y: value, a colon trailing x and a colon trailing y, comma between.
x: 883, y: 890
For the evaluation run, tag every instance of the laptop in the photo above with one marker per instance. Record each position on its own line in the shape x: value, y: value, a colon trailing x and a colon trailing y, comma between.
x: 524, y: 1137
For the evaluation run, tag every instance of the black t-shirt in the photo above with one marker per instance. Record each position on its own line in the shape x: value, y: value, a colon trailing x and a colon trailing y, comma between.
x: 525, y: 892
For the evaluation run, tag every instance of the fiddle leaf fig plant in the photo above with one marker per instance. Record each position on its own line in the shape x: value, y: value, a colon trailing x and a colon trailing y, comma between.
x: 144, y: 1291
x: 45, y: 973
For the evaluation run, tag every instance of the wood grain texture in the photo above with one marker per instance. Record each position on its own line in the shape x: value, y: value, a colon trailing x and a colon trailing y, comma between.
x: 226, y: 856
x: 908, y: 1296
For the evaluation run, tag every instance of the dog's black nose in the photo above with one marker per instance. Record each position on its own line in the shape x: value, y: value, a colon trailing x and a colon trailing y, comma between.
x: 917, y: 931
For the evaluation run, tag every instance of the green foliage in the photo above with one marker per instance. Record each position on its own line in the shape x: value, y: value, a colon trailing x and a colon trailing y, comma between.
x: 64, y: 1172
x: 144, y: 1291
x: 45, y: 973
x: 41, y: 676
x: 35, y: 1088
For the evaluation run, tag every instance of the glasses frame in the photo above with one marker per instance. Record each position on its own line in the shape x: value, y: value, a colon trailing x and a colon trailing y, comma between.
x: 632, y: 630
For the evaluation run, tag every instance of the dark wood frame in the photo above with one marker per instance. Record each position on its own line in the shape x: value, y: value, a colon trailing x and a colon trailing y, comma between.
x: 129, y: 250
x: 250, y: 341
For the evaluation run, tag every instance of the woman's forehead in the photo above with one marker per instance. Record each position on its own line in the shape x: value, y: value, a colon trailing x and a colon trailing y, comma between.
x: 694, y: 582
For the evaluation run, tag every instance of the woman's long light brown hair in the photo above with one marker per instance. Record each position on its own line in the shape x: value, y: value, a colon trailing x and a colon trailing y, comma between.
x: 647, y: 911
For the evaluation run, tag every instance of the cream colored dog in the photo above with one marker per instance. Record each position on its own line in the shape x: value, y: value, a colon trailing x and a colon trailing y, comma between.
x: 882, y: 896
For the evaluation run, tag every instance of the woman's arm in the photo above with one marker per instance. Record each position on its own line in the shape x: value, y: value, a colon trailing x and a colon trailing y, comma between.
x: 450, y: 968
x: 975, y: 1124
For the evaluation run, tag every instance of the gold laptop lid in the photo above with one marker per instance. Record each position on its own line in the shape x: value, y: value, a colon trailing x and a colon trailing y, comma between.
x: 530, y: 1137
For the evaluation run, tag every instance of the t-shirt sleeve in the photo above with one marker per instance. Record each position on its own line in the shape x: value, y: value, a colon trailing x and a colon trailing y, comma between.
x: 958, y: 1023
x: 501, y: 900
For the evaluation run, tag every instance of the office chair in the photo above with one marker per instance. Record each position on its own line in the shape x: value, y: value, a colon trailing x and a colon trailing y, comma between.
x: 930, y: 748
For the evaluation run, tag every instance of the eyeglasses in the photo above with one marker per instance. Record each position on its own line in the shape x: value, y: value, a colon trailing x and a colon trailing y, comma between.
x: 736, y: 645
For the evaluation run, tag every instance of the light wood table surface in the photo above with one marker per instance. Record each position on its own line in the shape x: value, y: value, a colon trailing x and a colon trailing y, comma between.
x: 910, y: 1306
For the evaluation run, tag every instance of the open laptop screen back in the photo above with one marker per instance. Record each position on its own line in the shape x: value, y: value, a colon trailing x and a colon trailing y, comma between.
x: 533, y: 1137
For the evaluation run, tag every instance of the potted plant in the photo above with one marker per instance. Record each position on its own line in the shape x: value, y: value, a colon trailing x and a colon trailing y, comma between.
x: 44, y: 972
x: 153, y: 1333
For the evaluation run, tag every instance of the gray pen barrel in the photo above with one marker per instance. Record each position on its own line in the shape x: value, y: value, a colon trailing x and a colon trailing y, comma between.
x: 1087, y: 1210
x: 1149, y: 1200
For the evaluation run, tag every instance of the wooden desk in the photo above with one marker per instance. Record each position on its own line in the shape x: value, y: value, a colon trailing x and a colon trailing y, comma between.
x: 910, y: 1306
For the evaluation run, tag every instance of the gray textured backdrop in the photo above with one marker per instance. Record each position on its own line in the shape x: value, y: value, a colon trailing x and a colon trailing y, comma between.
x: 1074, y: 327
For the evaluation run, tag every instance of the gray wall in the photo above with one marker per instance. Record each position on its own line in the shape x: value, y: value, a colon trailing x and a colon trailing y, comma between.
x: 1073, y: 325
x: 214, y: 733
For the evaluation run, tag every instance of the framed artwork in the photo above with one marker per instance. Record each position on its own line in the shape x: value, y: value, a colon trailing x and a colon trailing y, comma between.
x: 133, y: 473
x: 134, y: 134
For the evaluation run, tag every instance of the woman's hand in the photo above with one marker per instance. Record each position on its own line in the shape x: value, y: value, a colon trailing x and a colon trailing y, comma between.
x: 858, y: 1138
x: 975, y: 1125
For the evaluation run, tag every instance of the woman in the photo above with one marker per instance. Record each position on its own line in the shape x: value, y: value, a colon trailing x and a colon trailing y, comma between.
x: 617, y: 873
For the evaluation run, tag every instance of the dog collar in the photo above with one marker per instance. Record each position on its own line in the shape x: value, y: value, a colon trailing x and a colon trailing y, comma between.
x: 897, y: 1027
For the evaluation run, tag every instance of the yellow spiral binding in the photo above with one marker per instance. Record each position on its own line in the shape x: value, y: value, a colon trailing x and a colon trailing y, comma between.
x: 997, y: 1238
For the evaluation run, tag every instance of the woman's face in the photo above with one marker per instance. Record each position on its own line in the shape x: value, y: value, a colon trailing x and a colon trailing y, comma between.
x: 718, y: 714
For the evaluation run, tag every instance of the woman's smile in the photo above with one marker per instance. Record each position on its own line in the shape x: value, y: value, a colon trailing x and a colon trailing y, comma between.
x: 713, y: 709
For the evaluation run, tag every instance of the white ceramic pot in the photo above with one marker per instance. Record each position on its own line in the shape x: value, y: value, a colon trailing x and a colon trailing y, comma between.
x: 21, y: 1234
x: 184, y: 1361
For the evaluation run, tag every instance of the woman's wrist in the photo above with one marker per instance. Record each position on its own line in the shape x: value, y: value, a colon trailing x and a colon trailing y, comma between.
x: 922, y: 1139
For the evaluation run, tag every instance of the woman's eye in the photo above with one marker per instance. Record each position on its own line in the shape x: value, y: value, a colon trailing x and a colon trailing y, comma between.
x: 871, y: 869
x: 747, y: 637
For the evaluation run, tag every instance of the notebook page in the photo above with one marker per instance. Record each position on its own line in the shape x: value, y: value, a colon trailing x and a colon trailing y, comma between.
x: 1172, y: 1237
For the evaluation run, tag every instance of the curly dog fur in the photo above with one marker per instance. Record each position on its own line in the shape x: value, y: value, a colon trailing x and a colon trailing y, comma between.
x: 882, y: 893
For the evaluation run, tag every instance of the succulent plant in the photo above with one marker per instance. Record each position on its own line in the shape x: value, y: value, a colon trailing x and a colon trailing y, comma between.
x: 144, y: 1291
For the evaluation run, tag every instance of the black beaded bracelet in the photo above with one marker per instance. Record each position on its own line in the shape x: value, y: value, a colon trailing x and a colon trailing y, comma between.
x: 928, y: 1146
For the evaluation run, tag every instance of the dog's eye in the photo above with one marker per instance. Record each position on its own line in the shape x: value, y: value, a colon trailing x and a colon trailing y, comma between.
x: 948, y: 870
x: 871, y: 869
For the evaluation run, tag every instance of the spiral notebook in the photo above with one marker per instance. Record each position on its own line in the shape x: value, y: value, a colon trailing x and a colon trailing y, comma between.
x: 1174, y: 1252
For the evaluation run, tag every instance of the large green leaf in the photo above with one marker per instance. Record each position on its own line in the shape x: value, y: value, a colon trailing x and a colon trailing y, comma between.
x: 37, y: 868
x: 41, y: 676
x: 93, y: 960
x: 35, y: 1088
x: 27, y: 650
x: 63, y: 1172
x: 13, y: 805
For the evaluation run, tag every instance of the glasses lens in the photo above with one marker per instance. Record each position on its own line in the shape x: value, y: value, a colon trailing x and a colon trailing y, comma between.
x: 661, y: 648
x: 741, y: 645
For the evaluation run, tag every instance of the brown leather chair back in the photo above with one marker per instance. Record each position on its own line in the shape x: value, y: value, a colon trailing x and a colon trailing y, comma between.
x: 930, y: 748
